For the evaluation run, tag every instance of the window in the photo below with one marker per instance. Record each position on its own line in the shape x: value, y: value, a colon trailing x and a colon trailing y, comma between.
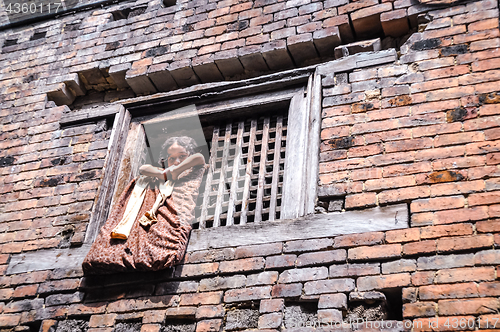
x: 258, y: 169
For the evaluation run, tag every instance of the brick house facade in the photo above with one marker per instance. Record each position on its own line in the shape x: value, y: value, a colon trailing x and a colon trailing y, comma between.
x: 408, y: 98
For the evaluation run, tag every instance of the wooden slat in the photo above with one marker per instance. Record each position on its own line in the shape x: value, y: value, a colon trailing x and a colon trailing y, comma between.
x: 293, y: 181
x: 208, y: 184
x: 248, y: 173
x: 276, y: 168
x: 222, y: 179
x: 102, y: 205
x: 309, y: 227
x: 312, y: 159
x: 262, y: 170
x: 235, y: 175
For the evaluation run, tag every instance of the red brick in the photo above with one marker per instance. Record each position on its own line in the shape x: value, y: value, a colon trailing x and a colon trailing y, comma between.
x: 390, y: 183
x: 269, y: 321
x: 487, y: 257
x: 465, y: 274
x: 258, y: 250
x: 361, y: 200
x: 484, y: 198
x: 210, y: 311
x: 326, y: 286
x: 338, y: 301
x: 153, y: 316
x: 201, y: 298
x: 493, y: 159
x: 448, y: 291
x: 102, y: 320
x: 488, y: 226
x: 9, y: 320
x: 419, y: 309
x: 150, y: 328
x: 272, y: 305
x: 399, y: 266
x: 494, y: 210
x: 463, y: 243
x: 364, y: 174
x: 307, y: 245
x: 421, y: 247
x: 191, y: 270
x: 468, y: 306
x: 209, y: 325
x: 305, y: 274
x: 180, y: 312
x: 354, y: 270
x: 404, y: 169
x: 280, y: 261
x: 489, y: 289
x: 488, y: 321
x: 58, y: 285
x: 446, y: 230
x: 375, y: 252
x: 403, y: 194
x: 461, y: 215
x: 383, y: 282
x: 402, y: 235
x: 422, y: 278
x: 287, y: 290
x: 442, y: 323
x: 247, y: 294
x: 321, y: 257
x: 240, y: 265
x: 482, y: 147
x: 457, y: 188
x: 25, y: 291
x: 407, y: 145
x: 354, y: 240
x: 438, y: 203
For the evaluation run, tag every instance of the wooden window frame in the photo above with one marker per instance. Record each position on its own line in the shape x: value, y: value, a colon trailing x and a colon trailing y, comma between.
x: 303, y: 97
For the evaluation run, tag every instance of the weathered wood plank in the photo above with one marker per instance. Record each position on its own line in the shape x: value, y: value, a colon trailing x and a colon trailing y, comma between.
x: 102, y: 205
x: 314, y: 131
x: 262, y: 170
x: 276, y: 168
x: 208, y: 183
x: 90, y: 115
x: 48, y: 259
x: 222, y: 178
x: 248, y: 173
x: 309, y: 227
x: 235, y: 174
x: 293, y: 182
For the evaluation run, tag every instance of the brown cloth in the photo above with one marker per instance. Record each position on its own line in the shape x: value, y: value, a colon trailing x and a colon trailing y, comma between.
x: 152, y: 248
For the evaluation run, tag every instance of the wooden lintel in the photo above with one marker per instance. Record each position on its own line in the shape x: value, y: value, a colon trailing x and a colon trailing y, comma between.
x: 309, y: 227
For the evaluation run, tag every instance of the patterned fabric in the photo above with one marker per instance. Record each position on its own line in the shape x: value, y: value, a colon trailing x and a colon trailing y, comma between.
x: 148, y: 248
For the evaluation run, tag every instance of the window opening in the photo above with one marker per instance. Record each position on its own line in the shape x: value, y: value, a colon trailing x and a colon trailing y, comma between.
x: 245, y: 174
x: 38, y: 35
x: 9, y: 42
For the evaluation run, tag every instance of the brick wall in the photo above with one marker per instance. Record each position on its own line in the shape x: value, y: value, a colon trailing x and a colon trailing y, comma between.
x: 423, y: 129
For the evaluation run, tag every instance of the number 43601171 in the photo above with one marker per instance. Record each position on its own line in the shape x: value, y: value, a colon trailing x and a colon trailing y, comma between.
x: 32, y: 8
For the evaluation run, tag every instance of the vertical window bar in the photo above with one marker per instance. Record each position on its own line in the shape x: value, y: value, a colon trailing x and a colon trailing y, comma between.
x: 276, y: 169
x: 208, y: 183
x: 248, y: 172
x: 235, y: 174
x: 262, y: 170
x: 222, y: 179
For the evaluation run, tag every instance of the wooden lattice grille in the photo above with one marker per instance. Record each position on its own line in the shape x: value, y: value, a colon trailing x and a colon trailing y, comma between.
x: 245, y: 177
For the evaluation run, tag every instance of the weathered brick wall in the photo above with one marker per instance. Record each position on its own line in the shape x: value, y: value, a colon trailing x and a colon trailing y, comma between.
x: 423, y: 130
